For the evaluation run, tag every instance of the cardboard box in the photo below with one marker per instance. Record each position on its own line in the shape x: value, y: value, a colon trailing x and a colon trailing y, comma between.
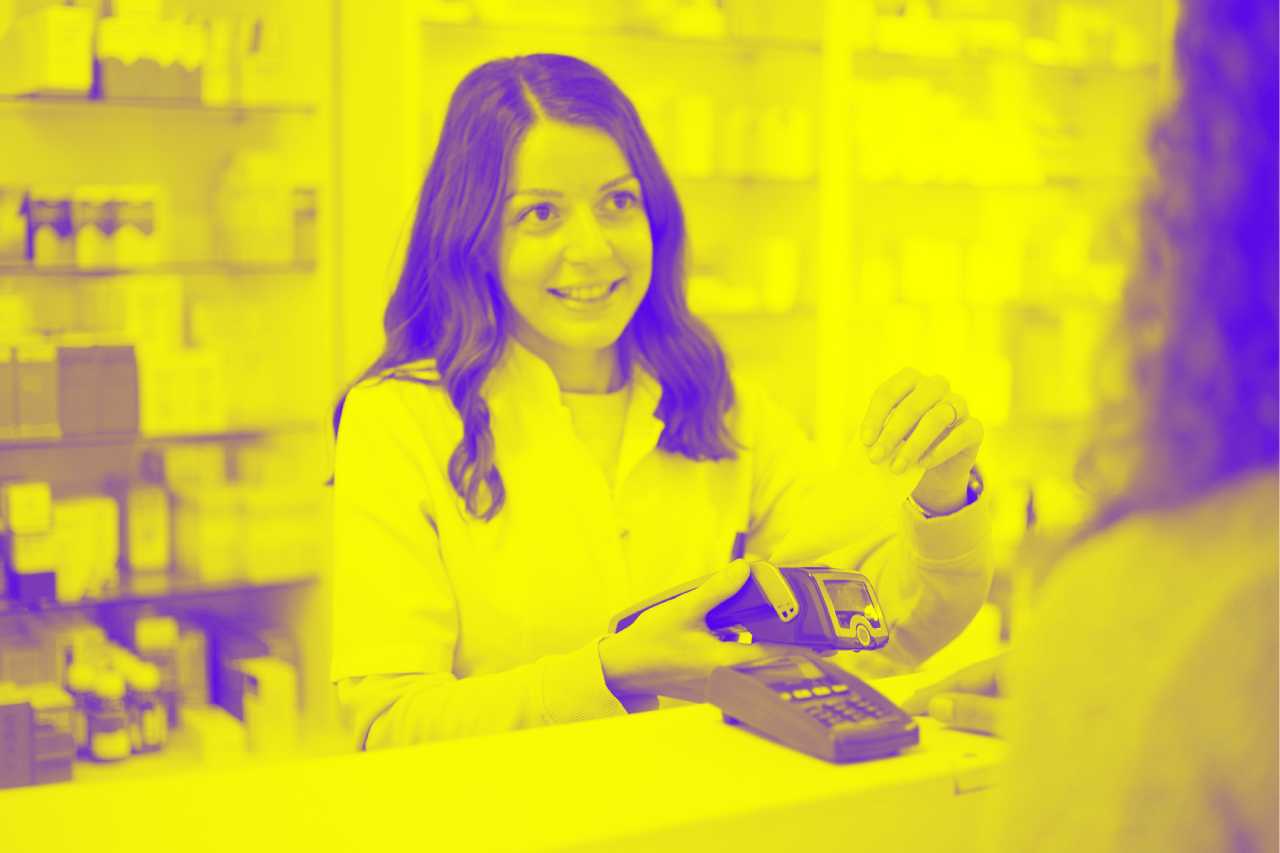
x: 36, y: 382
x: 48, y: 51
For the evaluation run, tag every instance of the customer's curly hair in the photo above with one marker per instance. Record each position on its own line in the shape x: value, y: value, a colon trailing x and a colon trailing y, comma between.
x: 1197, y: 335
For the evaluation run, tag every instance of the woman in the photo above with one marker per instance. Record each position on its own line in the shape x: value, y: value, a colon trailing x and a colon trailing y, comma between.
x: 550, y: 436
x: 1142, y: 715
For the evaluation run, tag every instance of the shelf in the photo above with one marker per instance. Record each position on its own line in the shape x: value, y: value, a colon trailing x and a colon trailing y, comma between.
x: 203, y: 268
x: 971, y: 58
x: 74, y: 102
x: 687, y: 181
x: 165, y: 587
x: 655, y: 37
x: 112, y: 439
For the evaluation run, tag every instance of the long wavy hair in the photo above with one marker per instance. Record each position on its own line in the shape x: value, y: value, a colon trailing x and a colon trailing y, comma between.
x: 1197, y: 334
x: 449, y: 305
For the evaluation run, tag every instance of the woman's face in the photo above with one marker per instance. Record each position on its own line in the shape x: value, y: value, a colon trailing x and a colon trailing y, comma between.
x: 576, y: 253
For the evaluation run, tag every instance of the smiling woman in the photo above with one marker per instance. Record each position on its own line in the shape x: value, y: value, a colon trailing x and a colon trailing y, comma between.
x: 550, y: 435
x: 576, y: 254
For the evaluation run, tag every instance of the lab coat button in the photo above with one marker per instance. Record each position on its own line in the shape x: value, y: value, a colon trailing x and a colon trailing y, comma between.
x: 624, y: 533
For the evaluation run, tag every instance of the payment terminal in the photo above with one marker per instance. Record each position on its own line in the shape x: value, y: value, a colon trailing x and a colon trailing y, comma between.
x: 817, y: 607
x: 803, y: 702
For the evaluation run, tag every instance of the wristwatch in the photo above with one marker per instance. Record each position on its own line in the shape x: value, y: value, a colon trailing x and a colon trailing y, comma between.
x: 971, y: 493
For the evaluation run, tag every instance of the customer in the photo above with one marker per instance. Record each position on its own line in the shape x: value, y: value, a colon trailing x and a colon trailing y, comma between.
x: 1143, y: 698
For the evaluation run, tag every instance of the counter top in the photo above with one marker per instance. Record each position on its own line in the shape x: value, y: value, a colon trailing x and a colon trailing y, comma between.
x: 671, y: 780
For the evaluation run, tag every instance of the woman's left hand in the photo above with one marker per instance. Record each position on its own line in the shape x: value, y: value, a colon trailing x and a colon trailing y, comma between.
x: 918, y: 420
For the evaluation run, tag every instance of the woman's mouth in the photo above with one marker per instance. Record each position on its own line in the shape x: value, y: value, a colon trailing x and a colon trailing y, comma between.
x: 586, y: 294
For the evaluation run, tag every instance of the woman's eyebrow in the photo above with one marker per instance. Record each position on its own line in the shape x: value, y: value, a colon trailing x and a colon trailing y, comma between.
x: 622, y: 180
x: 554, y: 193
x: 557, y: 194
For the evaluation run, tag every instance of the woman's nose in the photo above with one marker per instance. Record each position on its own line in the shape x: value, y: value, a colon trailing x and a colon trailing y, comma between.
x: 587, y: 242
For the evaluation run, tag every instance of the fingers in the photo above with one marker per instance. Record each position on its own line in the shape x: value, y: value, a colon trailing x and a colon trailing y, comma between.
x: 934, y: 426
x: 976, y: 713
x: 907, y: 414
x: 964, y: 436
x: 982, y: 677
x: 720, y: 586
x: 883, y: 401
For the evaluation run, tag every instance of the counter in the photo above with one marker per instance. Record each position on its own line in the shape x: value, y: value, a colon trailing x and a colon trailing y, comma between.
x: 678, y: 779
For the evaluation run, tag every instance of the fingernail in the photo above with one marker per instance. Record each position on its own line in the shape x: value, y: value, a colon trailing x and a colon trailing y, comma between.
x: 868, y: 436
x: 899, y: 465
x: 877, y: 453
x: 942, y: 709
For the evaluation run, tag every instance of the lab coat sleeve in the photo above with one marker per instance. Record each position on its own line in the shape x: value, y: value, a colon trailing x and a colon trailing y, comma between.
x: 394, y: 613
x: 931, y: 574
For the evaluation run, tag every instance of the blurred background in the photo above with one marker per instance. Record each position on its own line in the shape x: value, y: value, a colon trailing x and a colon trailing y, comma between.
x: 204, y: 205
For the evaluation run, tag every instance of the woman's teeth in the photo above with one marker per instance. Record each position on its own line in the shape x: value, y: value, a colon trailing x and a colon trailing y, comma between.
x: 593, y: 293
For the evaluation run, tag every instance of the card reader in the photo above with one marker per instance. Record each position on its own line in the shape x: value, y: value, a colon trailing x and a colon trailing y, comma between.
x: 817, y: 607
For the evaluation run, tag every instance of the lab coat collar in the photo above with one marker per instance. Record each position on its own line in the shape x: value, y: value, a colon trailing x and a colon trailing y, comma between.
x: 522, y: 384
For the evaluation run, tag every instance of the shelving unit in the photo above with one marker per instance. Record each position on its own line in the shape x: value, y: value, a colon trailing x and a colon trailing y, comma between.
x: 272, y: 324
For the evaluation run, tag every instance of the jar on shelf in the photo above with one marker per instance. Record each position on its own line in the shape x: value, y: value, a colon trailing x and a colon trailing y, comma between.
x: 50, y: 233
x: 148, y: 715
x: 94, y: 218
x: 135, y: 241
x: 108, y: 719
x: 80, y: 680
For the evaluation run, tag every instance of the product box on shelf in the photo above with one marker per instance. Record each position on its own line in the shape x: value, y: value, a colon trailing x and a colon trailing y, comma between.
x: 29, y: 587
x: 146, y: 56
x: 30, y: 553
x: 181, y: 390
x: 97, y: 389
x: 144, y: 527
x: 26, y: 506
x: 87, y: 533
x: 54, y: 743
x: 48, y: 51
x: 254, y: 209
x: 209, y: 532
x: 17, y: 738
x: 36, y: 389
x: 268, y: 697
x: 26, y: 655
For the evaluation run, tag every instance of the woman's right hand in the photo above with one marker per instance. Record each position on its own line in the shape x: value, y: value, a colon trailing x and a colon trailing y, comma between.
x: 669, y: 650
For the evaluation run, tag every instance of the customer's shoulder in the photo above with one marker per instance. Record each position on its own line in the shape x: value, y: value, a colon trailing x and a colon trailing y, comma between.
x: 1161, y: 561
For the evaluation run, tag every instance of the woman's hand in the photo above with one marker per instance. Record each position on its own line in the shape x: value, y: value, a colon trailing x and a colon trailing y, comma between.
x: 668, y: 650
x: 918, y: 420
x: 969, y: 699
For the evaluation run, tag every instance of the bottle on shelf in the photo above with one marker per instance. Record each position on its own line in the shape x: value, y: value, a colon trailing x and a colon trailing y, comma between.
x: 108, y: 719
x: 148, y: 716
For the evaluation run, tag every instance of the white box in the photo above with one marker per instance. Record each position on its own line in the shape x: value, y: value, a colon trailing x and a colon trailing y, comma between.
x: 49, y: 51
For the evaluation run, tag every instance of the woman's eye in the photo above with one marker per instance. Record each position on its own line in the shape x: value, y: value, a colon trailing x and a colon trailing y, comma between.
x: 538, y: 213
x: 623, y: 200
